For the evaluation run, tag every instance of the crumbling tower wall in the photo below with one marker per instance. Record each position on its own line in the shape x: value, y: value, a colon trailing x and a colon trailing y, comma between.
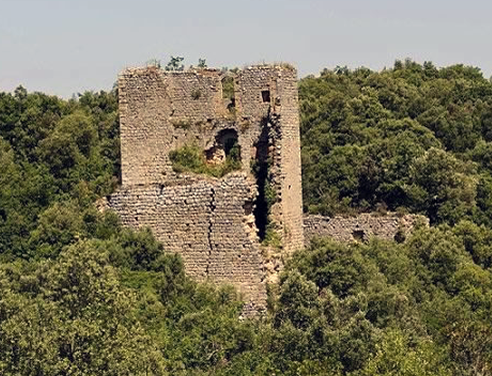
x: 213, y: 223
x: 267, y: 95
x: 160, y: 111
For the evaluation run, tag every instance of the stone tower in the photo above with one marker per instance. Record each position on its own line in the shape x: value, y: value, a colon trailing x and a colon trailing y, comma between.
x: 217, y: 225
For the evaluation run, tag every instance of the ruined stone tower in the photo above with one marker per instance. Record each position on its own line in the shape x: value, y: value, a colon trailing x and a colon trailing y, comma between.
x: 216, y: 224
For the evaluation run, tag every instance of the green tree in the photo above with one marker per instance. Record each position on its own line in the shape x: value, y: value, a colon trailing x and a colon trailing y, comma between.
x: 175, y: 64
x: 72, y: 316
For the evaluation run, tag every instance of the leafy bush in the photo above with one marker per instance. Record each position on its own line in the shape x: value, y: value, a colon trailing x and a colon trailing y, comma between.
x: 190, y: 158
x: 404, y: 138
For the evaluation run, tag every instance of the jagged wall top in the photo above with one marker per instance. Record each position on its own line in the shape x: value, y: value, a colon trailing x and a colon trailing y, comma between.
x: 162, y: 110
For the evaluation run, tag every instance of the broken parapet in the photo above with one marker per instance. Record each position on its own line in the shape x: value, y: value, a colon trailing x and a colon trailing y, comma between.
x: 362, y: 227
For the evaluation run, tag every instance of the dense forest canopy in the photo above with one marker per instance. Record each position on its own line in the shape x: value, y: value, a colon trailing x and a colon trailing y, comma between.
x: 81, y: 295
x: 412, y: 138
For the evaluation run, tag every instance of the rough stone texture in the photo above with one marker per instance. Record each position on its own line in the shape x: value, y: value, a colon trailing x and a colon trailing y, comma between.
x: 206, y: 222
x: 209, y: 221
x: 360, y: 228
x: 282, y: 113
x: 161, y: 111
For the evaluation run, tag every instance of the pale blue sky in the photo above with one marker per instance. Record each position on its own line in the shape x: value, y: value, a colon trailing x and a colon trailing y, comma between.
x: 67, y: 46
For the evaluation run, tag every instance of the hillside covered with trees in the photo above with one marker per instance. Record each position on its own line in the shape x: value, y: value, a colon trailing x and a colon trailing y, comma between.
x: 412, y: 138
x: 81, y: 295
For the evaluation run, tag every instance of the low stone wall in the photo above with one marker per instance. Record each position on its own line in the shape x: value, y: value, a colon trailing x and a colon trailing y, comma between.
x: 360, y: 228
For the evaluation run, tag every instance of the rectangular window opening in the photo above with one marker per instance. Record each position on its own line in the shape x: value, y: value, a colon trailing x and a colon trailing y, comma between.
x: 265, y: 95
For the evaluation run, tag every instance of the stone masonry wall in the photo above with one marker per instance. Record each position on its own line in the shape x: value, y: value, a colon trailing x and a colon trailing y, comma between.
x: 211, y: 222
x: 360, y: 228
x: 282, y: 114
x: 160, y: 111
x: 290, y: 169
x: 208, y: 221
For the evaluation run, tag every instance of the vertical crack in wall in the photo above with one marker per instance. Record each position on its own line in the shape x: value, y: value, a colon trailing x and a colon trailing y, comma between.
x: 260, y: 169
x: 213, y: 206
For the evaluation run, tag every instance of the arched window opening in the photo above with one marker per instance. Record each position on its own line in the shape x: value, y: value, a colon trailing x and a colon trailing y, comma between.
x: 226, y: 149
